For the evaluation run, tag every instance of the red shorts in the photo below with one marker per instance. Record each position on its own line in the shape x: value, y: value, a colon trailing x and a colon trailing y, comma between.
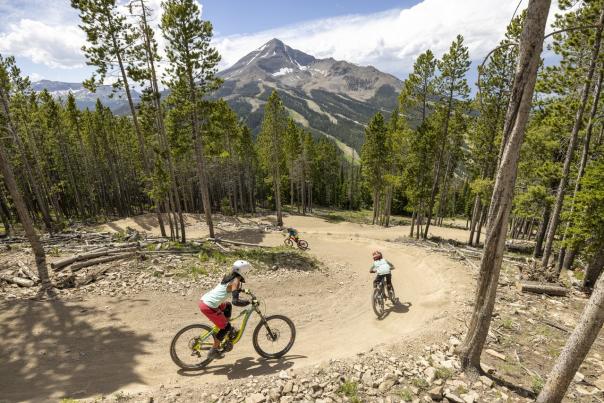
x: 217, y: 315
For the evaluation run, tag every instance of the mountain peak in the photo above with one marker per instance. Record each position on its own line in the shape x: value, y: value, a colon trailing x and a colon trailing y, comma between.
x: 274, y: 58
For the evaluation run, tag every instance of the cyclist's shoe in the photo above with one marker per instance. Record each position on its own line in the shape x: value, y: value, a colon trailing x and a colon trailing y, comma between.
x: 213, y: 353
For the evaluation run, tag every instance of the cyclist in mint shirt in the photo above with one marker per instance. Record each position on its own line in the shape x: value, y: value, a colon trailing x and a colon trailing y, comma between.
x: 214, y: 305
x: 382, y: 268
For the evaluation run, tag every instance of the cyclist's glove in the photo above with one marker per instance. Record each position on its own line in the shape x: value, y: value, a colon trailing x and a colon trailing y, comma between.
x: 239, y: 302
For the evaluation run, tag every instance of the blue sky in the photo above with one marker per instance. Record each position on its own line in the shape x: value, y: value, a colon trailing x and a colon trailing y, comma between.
x: 231, y: 17
x: 44, y: 37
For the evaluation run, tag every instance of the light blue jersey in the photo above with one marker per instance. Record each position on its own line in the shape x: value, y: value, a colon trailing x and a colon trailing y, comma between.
x: 381, y: 267
x: 216, y: 295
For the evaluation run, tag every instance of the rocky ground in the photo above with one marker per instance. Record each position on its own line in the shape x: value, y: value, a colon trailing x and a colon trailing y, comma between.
x: 527, y: 333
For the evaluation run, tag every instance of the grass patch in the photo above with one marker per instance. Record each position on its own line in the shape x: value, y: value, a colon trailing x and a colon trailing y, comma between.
x: 68, y: 400
x: 350, y: 389
x: 405, y: 395
x: 511, y: 369
x: 507, y: 323
x: 537, y: 384
x: 443, y: 373
x: 579, y: 275
x: 461, y: 390
x: 420, y: 383
x: 54, y: 251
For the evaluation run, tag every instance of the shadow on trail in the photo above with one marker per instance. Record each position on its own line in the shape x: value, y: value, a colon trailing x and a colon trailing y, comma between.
x: 244, y: 367
x: 401, y: 307
x: 249, y: 235
x: 52, y: 349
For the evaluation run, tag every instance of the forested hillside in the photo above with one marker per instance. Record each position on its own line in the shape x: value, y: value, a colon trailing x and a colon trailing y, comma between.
x: 520, y: 158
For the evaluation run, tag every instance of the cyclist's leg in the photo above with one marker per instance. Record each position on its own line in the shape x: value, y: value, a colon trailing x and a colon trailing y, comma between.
x: 388, y: 278
x: 217, y: 317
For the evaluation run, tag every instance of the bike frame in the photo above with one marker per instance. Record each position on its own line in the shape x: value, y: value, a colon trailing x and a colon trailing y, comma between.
x: 246, y: 314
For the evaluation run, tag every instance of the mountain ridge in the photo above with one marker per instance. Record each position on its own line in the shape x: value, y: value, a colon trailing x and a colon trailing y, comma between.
x: 332, y: 98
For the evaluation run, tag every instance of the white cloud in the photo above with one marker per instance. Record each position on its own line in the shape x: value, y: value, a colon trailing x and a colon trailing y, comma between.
x: 56, y: 46
x: 33, y: 77
x: 48, y: 33
x: 389, y: 40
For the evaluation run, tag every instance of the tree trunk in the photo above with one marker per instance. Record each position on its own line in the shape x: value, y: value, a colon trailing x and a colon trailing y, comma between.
x: 413, y: 215
x: 475, y: 217
x: 277, y: 185
x: 541, y: 233
x: 531, y: 44
x: 25, y: 218
x: 594, y: 268
x: 578, y: 344
x: 569, y: 257
x: 483, y: 218
x: 555, y: 217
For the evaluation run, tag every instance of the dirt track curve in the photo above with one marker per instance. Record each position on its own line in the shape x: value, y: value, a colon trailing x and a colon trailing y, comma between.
x: 102, y: 345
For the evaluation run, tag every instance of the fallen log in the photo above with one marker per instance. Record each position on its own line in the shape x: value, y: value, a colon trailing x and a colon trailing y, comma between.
x: 93, y: 262
x: 27, y: 272
x: 91, y: 276
x: 59, y: 264
x: 23, y: 282
x: 91, y: 255
x: 542, y: 288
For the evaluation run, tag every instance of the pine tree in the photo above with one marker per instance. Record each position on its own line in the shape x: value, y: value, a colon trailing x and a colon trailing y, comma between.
x: 10, y: 81
x: 191, y: 75
x: 374, y: 157
x: 451, y: 85
x: 271, y: 144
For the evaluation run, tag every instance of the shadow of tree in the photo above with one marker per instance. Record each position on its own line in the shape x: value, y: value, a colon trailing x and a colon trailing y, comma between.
x: 244, y: 367
x: 54, y: 349
x: 249, y: 235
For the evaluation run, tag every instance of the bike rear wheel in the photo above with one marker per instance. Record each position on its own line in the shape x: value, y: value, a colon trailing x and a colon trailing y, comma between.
x: 274, y: 336
x: 288, y: 242
x: 190, y: 346
x: 302, y: 244
x: 377, y: 302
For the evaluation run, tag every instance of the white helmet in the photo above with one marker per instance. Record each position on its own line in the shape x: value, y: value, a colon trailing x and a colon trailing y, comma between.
x: 241, y: 267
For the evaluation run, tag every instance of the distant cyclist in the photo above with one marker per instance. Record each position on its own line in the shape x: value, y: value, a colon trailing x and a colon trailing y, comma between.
x: 381, y: 267
x: 215, y: 307
x: 292, y: 233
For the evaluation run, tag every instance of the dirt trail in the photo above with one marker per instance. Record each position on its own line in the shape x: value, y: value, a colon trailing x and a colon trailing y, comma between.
x: 102, y: 345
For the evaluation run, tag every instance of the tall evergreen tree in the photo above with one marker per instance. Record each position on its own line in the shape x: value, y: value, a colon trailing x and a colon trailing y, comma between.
x: 191, y: 75
x: 271, y: 141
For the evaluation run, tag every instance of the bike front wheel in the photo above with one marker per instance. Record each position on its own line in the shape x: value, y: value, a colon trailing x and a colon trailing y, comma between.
x: 190, y: 346
x: 289, y: 242
x: 274, y: 336
x: 302, y: 244
x: 392, y: 295
x: 377, y: 302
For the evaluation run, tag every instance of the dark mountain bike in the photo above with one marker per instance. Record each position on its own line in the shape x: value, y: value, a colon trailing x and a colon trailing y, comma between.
x: 382, y: 291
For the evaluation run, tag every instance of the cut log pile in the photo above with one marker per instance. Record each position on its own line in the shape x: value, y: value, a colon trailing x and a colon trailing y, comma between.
x: 68, y: 269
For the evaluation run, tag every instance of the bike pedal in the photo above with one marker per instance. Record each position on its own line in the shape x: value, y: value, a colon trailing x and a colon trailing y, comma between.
x: 227, y: 346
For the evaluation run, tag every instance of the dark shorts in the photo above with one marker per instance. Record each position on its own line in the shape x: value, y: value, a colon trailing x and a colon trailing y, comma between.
x: 387, y: 277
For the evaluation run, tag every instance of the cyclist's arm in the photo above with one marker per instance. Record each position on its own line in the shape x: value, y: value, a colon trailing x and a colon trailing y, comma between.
x: 235, y: 289
x: 391, y: 265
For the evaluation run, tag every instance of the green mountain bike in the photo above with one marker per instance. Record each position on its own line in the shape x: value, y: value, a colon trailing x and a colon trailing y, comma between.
x: 273, y: 337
